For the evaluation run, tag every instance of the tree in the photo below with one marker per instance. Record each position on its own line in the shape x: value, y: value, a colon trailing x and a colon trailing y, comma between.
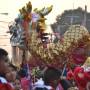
x: 70, y: 17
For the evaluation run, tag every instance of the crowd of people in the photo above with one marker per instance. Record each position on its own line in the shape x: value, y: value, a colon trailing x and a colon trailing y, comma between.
x: 11, y: 78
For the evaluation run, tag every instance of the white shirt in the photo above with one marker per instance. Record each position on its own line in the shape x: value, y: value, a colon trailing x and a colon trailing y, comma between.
x: 3, y: 80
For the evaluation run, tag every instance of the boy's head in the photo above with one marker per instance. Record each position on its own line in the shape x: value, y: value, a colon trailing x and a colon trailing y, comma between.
x: 22, y: 73
x: 11, y: 75
x: 3, y: 61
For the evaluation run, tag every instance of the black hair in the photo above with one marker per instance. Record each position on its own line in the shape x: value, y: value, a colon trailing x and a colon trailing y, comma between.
x: 3, y: 54
x: 37, y: 88
x: 22, y: 73
x: 51, y: 74
x: 65, y: 84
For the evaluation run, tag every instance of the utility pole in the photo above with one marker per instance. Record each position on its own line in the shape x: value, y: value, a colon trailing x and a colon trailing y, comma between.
x: 85, y: 16
x: 72, y: 18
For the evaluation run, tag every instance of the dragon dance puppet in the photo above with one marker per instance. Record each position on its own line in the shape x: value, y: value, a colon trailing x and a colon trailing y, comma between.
x: 26, y: 22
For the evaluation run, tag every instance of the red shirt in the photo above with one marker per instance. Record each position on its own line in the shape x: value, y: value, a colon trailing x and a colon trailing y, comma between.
x: 5, y: 86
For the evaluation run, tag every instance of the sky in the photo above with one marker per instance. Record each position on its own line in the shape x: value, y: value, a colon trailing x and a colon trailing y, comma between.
x: 12, y: 8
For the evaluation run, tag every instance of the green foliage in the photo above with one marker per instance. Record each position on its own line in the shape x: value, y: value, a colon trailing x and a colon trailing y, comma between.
x: 70, y: 17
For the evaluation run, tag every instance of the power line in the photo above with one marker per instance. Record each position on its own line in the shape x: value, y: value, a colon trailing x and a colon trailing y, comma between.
x: 3, y: 35
x: 4, y: 38
x: 5, y: 45
x: 5, y: 22
x: 4, y: 13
